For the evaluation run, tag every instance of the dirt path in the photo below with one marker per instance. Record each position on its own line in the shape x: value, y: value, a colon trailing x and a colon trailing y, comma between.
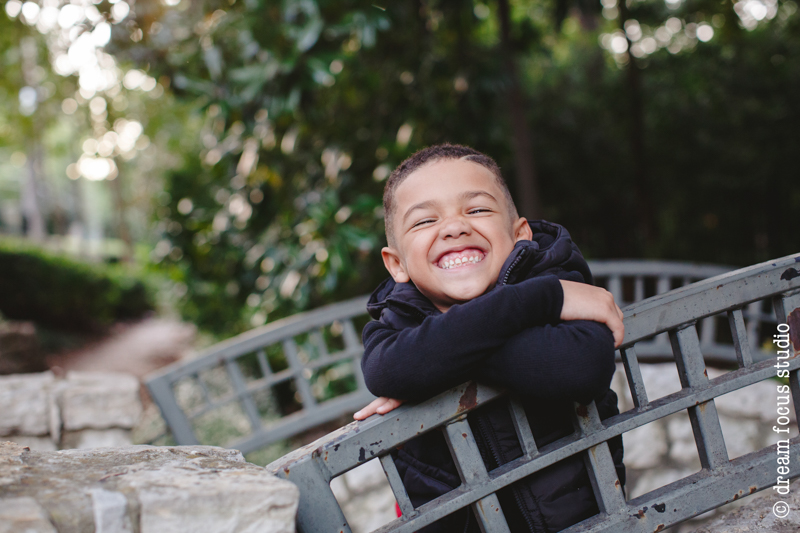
x: 137, y: 348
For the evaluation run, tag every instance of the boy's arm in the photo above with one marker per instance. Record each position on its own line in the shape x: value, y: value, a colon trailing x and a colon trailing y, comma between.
x: 568, y: 361
x: 445, y: 350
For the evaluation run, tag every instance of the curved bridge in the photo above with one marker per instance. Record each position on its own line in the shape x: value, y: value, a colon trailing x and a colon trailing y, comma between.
x: 676, y: 314
x: 278, y: 380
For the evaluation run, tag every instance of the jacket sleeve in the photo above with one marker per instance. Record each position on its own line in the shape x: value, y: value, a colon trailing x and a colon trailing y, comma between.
x: 571, y: 360
x: 445, y: 350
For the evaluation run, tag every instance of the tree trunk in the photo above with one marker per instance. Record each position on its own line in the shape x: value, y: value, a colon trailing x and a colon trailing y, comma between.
x: 644, y: 204
x: 34, y: 222
x: 528, y: 194
x: 122, y: 224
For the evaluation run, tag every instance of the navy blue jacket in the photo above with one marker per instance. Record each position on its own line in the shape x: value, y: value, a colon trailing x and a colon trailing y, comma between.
x: 509, y: 337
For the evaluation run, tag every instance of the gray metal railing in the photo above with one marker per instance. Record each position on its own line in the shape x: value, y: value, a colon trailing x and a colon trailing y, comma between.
x: 675, y: 313
x: 253, y: 377
x: 296, y: 353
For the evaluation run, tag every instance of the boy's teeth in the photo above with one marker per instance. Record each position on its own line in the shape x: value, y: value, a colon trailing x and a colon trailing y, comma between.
x: 460, y: 259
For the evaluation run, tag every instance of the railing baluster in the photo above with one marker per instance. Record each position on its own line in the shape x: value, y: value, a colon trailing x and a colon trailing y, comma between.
x: 303, y: 387
x: 263, y: 364
x: 352, y: 342
x: 604, y: 479
x: 785, y: 304
x: 204, y: 389
x: 705, y: 421
x: 400, y: 494
x: 634, y: 375
x: 318, y: 510
x: 240, y: 388
x: 470, y: 467
x: 161, y: 390
x: 602, y: 472
x: 318, y: 340
x: 753, y: 324
x: 740, y: 342
x: 523, y: 428
x: 708, y: 331
x: 638, y: 289
x: 615, y: 288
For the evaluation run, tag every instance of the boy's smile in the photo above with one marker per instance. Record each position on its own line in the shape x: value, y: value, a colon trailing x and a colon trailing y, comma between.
x: 453, y: 231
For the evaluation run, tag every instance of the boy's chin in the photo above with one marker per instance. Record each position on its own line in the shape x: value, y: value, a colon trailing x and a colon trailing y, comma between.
x: 464, y: 294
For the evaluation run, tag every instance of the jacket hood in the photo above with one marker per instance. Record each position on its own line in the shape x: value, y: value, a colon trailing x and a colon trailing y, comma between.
x: 551, y: 250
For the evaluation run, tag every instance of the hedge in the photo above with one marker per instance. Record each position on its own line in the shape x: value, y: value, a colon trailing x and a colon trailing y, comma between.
x: 61, y: 293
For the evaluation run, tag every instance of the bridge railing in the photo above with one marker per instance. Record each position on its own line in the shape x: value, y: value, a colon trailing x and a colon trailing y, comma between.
x: 276, y: 378
x: 276, y: 381
x: 675, y: 313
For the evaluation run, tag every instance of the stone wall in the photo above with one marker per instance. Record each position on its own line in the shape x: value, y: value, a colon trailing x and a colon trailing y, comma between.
x: 80, y: 410
x: 141, y: 489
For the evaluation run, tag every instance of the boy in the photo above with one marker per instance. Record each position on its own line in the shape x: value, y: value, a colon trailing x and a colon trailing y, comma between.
x: 478, y: 292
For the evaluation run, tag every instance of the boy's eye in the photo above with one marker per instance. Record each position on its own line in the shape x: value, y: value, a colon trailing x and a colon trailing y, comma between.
x: 421, y: 222
x: 480, y: 210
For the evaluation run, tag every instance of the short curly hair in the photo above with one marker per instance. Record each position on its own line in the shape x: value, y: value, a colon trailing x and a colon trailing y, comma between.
x: 432, y: 154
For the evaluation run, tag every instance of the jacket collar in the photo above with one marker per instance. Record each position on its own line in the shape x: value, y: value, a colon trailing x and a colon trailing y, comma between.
x: 550, y: 249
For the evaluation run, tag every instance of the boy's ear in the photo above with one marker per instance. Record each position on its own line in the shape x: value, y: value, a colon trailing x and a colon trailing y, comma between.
x: 394, y: 264
x: 522, y: 230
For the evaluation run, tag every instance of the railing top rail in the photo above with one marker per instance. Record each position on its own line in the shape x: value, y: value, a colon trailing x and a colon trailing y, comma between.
x: 271, y: 333
x: 710, y: 296
x: 649, y: 267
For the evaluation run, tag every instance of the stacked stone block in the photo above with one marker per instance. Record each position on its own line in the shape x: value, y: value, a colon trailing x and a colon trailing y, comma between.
x: 80, y: 410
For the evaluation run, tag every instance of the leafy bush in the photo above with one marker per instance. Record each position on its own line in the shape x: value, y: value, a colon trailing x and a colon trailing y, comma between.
x: 58, y: 292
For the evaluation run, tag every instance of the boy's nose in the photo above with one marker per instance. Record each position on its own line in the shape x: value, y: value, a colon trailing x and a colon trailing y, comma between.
x: 455, y: 227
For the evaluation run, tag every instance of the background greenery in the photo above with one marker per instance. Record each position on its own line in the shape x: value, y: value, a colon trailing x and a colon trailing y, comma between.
x: 270, y: 126
x: 60, y: 293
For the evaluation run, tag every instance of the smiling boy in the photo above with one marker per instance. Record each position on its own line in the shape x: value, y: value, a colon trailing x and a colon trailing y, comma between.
x: 477, y: 292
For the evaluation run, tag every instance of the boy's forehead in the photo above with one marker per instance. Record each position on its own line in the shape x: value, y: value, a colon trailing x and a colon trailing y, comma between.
x: 445, y: 178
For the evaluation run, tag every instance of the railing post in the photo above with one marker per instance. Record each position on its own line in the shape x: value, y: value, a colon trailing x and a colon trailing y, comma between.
x: 161, y: 390
x: 705, y: 421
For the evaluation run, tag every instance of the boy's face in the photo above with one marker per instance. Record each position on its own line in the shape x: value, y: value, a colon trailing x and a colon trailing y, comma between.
x: 452, y: 231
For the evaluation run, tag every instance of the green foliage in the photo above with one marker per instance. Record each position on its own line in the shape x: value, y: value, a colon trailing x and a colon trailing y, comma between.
x: 303, y: 107
x: 61, y: 293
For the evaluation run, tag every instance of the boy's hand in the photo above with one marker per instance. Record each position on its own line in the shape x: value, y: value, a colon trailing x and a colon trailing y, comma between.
x: 585, y: 302
x: 381, y: 406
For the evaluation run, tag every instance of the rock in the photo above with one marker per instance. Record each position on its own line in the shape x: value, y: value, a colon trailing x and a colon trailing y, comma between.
x: 366, y: 477
x: 369, y: 511
x: 23, y: 515
x: 39, y: 444
x: 25, y: 400
x: 165, y: 489
x: 99, y: 400
x: 340, y: 490
x: 660, y: 380
x: 741, y: 436
x: 646, y: 446
x: 110, y: 512
x: 96, y: 438
x: 683, y: 449
x: 758, y: 401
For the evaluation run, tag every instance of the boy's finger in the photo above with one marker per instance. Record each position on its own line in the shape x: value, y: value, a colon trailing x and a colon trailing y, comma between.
x: 370, y: 409
x: 389, y: 405
x: 619, y: 333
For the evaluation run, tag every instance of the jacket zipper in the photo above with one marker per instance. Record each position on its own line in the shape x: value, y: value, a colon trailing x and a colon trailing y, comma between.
x: 512, y: 265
